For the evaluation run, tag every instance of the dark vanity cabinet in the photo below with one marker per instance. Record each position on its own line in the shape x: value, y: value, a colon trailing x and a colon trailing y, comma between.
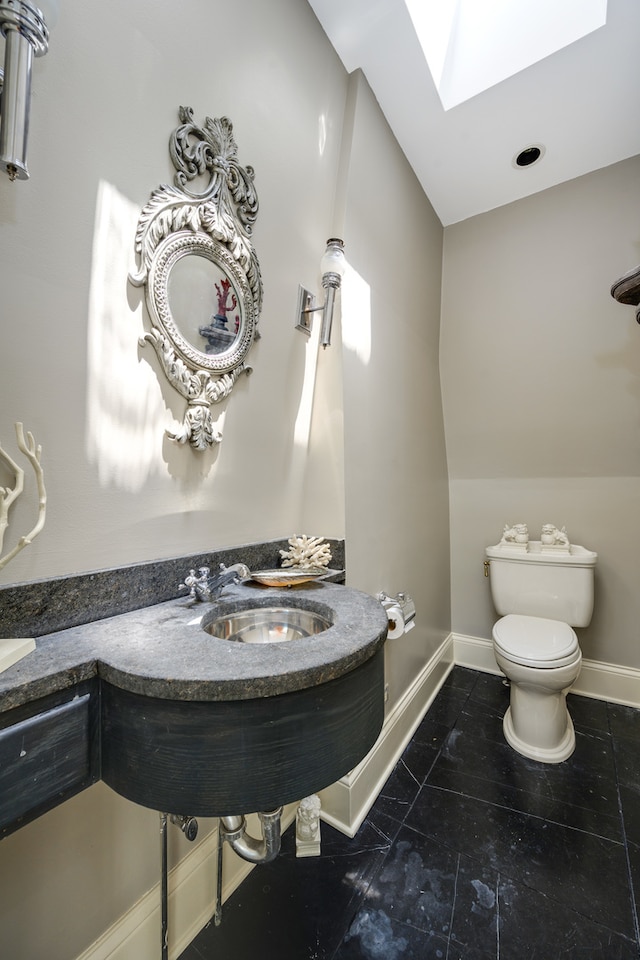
x: 49, y: 751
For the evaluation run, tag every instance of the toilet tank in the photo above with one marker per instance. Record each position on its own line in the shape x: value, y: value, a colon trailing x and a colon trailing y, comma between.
x: 537, y: 583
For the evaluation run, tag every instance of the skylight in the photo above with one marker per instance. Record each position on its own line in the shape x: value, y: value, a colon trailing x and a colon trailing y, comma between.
x: 471, y: 45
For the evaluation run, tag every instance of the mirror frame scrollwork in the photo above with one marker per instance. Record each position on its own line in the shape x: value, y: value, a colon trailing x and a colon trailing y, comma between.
x: 215, y: 224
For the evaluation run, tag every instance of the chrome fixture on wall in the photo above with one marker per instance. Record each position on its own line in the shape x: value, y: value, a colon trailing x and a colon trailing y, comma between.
x: 332, y: 268
x: 627, y: 289
x: 24, y: 27
x: 401, y: 613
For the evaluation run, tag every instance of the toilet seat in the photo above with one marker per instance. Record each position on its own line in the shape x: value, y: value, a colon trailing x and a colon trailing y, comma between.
x: 535, y: 641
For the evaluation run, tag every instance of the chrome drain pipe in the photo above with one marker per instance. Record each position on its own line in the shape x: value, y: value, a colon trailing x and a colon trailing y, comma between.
x: 234, y: 831
x: 188, y: 825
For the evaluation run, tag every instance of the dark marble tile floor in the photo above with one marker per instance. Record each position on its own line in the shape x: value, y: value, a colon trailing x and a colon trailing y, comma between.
x: 471, y: 852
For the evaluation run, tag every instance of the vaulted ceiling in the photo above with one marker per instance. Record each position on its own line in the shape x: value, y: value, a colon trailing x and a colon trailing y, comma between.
x: 582, y: 104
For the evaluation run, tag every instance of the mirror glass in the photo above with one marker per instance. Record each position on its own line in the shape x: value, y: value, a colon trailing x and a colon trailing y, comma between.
x: 204, y: 304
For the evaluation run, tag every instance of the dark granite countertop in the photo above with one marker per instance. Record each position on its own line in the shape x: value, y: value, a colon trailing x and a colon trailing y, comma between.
x: 162, y: 650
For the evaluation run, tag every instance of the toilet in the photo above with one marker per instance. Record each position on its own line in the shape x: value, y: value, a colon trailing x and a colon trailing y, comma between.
x: 541, y: 591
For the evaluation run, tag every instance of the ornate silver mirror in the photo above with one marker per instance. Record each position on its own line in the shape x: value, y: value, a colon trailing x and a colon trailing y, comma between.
x: 200, y: 272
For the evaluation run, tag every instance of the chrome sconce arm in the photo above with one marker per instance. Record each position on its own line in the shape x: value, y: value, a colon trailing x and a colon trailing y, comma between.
x: 26, y: 34
x: 332, y: 268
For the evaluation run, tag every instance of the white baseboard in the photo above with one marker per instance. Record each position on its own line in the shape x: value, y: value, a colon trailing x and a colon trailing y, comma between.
x: 602, y: 681
x: 608, y: 681
x: 474, y: 652
x: 136, y: 935
x: 346, y: 803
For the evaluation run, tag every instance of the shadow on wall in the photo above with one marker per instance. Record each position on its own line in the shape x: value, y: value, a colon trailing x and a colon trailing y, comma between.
x: 626, y: 358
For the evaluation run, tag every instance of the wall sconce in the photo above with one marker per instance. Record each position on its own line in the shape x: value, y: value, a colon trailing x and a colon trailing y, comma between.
x: 332, y: 268
x: 26, y: 34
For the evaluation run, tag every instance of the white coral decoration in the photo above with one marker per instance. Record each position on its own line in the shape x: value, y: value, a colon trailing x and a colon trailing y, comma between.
x: 32, y: 452
x: 306, y: 552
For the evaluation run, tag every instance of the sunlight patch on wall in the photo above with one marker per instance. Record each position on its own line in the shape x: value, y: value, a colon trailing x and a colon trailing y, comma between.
x: 302, y: 428
x: 126, y: 415
x: 471, y: 45
x: 356, y: 315
x: 322, y: 134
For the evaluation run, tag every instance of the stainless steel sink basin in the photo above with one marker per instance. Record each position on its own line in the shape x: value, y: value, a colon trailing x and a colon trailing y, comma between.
x: 268, y: 625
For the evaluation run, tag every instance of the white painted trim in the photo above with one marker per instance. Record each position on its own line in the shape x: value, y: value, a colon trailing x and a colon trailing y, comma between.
x: 474, y: 652
x: 191, y: 903
x: 609, y: 681
x: 346, y: 803
x: 601, y: 681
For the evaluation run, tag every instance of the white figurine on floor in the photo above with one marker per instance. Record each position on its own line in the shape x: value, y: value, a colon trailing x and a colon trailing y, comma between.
x: 308, y: 827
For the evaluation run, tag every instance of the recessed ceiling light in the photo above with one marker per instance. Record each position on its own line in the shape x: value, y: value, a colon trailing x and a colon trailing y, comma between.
x: 530, y: 155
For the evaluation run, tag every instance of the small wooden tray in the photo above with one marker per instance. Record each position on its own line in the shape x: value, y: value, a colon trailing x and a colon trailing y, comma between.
x: 288, y: 576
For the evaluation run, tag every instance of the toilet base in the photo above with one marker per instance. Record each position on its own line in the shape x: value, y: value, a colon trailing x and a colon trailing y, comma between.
x: 556, y: 754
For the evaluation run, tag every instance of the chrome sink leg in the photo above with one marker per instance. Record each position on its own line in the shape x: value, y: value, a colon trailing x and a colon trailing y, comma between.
x: 163, y: 884
x: 217, y: 917
x: 189, y: 826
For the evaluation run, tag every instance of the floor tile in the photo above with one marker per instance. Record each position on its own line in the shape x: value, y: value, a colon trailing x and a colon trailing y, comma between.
x: 630, y: 802
x: 624, y: 721
x: 407, y: 908
x: 571, y: 793
x: 431, y: 733
x: 462, y: 678
x: 479, y: 716
x: 471, y: 852
x: 574, y: 867
x: 627, y: 754
x: 385, y: 827
x: 634, y: 866
x: 416, y: 884
x: 298, y: 908
x: 375, y: 936
x: 447, y: 706
x: 562, y: 935
x: 492, y: 690
x: 474, y: 930
x: 588, y: 712
x: 401, y: 789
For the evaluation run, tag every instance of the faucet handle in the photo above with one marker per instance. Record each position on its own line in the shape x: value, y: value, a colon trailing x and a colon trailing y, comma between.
x: 190, y: 583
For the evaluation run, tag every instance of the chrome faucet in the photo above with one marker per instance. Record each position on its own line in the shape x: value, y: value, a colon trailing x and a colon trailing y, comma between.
x: 206, y: 587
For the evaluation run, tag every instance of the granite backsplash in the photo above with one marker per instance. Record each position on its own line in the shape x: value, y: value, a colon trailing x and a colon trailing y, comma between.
x: 39, y: 607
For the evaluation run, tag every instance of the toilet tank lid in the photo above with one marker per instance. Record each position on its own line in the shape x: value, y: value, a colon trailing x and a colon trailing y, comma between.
x: 576, y: 557
x: 534, y: 639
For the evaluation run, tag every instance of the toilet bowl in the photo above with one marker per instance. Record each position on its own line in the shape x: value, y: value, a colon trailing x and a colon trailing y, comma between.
x: 541, y: 659
x: 541, y: 589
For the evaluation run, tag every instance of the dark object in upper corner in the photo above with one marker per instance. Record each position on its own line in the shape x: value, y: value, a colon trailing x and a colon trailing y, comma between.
x: 627, y: 289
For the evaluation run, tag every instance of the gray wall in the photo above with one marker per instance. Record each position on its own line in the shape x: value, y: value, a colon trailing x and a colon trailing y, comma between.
x: 301, y: 447
x: 541, y: 390
x: 72, y: 370
x: 395, y: 459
